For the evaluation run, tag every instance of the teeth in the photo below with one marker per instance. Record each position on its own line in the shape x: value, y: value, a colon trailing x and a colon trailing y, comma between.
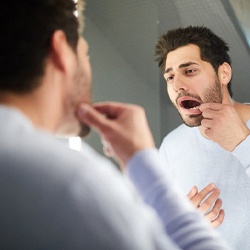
x: 195, y: 107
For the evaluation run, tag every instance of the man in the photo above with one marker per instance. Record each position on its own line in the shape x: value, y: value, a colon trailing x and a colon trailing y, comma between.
x: 55, y: 198
x: 212, y: 146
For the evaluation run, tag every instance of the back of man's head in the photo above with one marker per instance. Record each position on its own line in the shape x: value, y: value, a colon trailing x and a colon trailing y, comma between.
x: 26, y: 29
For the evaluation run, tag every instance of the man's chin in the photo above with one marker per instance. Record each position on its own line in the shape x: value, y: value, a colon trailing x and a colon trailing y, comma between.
x: 84, y: 130
x: 192, y: 125
x: 192, y: 120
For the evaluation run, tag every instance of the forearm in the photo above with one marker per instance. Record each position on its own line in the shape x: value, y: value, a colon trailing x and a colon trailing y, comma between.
x: 184, y: 225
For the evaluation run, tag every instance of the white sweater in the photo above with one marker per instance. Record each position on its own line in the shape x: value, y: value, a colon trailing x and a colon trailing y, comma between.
x: 194, y: 160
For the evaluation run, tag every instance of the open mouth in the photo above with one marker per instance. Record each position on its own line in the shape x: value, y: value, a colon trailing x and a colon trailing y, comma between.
x: 189, y: 103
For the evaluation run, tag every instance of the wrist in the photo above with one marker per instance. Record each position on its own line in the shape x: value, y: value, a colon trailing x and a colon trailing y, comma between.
x: 245, y: 134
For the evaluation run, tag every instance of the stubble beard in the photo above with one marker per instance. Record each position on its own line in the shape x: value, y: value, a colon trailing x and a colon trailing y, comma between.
x: 81, y: 94
x: 84, y: 129
x: 211, y: 95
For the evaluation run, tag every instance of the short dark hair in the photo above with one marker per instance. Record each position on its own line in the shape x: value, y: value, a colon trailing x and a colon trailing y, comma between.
x: 213, y: 49
x: 26, y: 29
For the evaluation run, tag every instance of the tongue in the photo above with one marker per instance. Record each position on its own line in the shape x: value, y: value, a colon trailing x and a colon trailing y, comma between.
x: 190, y: 104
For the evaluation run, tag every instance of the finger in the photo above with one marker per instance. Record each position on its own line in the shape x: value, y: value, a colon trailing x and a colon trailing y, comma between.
x: 208, y: 202
x: 218, y: 221
x: 107, y: 149
x: 207, y: 123
x: 110, y: 109
x: 209, y: 114
x: 212, y: 106
x: 202, y: 194
x: 207, y: 131
x: 92, y: 117
x: 211, y: 215
x: 192, y: 192
x: 113, y: 110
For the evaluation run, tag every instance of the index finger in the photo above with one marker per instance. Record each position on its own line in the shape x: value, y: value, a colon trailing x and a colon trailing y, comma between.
x: 210, y: 105
x: 114, y: 109
x: 92, y: 117
x: 110, y: 109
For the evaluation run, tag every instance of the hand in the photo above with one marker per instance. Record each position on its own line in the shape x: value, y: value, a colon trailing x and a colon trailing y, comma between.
x: 123, y: 126
x: 222, y: 124
x: 209, y: 206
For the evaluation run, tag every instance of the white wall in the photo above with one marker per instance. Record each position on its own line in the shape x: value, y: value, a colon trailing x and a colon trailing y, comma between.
x: 114, y: 79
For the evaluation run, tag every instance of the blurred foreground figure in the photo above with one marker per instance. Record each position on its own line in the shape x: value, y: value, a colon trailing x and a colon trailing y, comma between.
x: 56, y: 198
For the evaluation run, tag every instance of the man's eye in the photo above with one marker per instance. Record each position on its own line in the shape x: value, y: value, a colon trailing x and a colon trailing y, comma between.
x: 190, y: 71
x: 169, y: 79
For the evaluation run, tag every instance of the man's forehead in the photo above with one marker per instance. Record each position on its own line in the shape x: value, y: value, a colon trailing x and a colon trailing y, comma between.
x: 183, y: 55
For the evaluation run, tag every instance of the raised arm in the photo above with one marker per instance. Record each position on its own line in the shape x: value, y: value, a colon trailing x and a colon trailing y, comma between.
x: 125, y: 129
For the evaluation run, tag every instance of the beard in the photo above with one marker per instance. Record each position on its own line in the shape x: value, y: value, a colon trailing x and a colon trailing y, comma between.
x: 79, y: 93
x: 211, y: 95
x: 84, y: 130
x: 82, y: 88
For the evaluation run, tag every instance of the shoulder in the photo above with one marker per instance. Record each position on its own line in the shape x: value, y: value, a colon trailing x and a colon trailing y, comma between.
x: 41, y: 162
x: 64, y: 191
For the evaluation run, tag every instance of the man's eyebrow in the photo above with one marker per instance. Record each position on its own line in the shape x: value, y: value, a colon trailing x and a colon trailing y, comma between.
x: 183, y: 65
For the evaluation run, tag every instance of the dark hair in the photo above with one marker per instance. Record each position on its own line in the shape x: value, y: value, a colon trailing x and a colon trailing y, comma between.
x: 26, y: 29
x: 212, y: 48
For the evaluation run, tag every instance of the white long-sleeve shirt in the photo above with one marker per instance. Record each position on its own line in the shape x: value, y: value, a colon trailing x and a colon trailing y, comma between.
x: 194, y: 160
x: 56, y: 198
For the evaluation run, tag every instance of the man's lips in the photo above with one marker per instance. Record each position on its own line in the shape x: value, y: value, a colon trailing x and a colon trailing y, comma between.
x: 190, y: 104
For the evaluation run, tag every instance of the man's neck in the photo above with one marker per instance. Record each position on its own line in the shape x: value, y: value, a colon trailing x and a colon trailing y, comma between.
x: 243, y: 110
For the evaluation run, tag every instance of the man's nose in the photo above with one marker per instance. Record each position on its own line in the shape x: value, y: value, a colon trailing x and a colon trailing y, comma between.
x: 180, y: 83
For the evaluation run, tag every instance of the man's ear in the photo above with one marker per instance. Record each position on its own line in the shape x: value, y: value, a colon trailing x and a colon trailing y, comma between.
x: 225, y: 73
x: 60, y: 51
